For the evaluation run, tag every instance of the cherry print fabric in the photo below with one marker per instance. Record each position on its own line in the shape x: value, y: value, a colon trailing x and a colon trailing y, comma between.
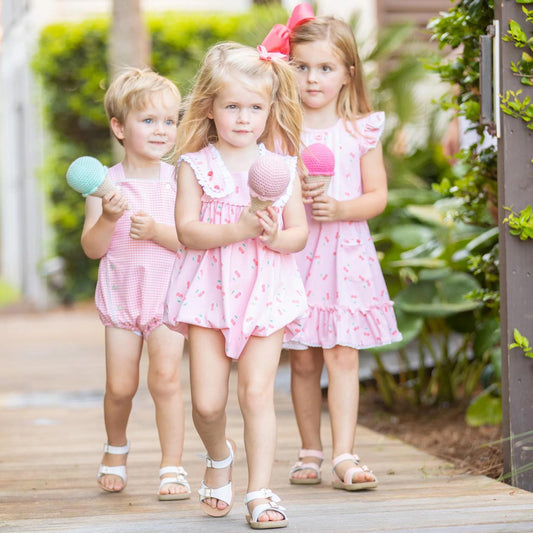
x: 349, y: 304
x: 242, y: 289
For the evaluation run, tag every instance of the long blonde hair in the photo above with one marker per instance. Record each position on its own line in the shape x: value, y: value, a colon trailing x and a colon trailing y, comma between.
x: 353, y: 100
x: 232, y: 62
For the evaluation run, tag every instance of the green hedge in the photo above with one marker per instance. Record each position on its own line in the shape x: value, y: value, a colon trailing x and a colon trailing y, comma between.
x: 71, y: 64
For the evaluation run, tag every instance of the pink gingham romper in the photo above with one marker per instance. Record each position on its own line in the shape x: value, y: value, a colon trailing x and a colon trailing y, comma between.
x: 241, y: 289
x: 133, y: 275
x: 349, y: 304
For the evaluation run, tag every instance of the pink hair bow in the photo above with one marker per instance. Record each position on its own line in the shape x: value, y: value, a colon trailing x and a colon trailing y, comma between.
x: 265, y: 55
x: 277, y: 39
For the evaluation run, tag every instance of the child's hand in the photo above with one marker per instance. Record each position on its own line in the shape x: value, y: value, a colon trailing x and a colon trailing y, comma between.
x: 268, y: 219
x: 113, y: 205
x: 325, y: 208
x: 310, y: 191
x: 143, y: 226
x: 249, y: 224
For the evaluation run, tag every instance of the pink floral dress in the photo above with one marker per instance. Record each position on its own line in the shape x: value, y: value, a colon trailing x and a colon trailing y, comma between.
x: 242, y: 289
x: 349, y: 304
x: 133, y: 274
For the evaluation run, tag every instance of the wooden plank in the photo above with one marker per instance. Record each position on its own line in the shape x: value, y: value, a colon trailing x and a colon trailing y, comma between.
x: 49, y: 454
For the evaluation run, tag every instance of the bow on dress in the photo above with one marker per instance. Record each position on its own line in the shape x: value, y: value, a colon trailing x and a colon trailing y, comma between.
x: 277, y: 39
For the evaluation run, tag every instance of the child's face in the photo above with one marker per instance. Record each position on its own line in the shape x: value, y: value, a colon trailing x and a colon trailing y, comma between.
x: 150, y: 133
x: 240, y: 115
x: 320, y: 75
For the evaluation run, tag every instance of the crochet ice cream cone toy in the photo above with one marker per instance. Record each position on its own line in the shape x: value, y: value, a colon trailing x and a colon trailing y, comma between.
x: 268, y: 179
x: 89, y: 177
x: 320, y: 163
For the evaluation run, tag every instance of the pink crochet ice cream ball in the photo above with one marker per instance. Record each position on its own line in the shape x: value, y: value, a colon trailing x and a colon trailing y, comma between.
x: 319, y: 160
x: 268, y: 177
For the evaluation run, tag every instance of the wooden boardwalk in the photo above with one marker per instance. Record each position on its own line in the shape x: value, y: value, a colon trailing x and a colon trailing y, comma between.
x: 51, y: 435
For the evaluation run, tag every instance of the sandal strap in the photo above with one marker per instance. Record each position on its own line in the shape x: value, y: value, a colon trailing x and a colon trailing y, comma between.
x: 180, y: 479
x: 224, y: 463
x: 259, y: 494
x: 117, y: 450
x: 119, y: 471
x: 274, y: 499
x: 317, y: 454
x: 357, y: 469
x: 223, y: 493
x: 177, y: 470
x: 299, y: 466
x: 346, y: 457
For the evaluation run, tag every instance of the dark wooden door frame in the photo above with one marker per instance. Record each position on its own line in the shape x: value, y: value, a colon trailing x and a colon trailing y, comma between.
x: 515, y: 188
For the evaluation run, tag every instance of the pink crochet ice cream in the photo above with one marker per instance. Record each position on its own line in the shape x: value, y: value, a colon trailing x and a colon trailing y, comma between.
x: 268, y: 179
x: 320, y: 163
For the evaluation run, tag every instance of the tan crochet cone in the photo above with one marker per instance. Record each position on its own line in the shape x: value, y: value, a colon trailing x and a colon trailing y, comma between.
x: 104, y: 187
x: 257, y: 204
x: 319, y: 179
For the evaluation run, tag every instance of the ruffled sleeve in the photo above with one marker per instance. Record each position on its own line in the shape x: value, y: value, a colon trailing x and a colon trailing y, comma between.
x: 210, y: 171
x: 369, y: 130
x: 291, y: 161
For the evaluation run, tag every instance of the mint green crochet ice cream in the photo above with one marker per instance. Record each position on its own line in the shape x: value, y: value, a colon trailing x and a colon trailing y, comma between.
x: 89, y: 177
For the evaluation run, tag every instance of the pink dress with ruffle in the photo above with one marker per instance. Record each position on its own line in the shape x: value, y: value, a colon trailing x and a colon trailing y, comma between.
x: 349, y: 304
x: 241, y: 289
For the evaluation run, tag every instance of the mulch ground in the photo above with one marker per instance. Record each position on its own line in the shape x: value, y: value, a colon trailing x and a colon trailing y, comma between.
x: 440, y: 431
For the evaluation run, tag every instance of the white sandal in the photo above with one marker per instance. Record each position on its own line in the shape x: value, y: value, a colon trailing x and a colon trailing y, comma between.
x: 300, y: 466
x: 348, y: 483
x: 224, y: 493
x: 179, y: 479
x: 262, y: 507
x: 119, y: 471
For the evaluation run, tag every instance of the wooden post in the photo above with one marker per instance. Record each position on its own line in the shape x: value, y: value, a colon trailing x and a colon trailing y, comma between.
x: 515, y: 189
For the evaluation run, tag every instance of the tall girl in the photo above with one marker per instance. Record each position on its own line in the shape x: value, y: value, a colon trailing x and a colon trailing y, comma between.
x: 349, y: 306
x: 235, y: 292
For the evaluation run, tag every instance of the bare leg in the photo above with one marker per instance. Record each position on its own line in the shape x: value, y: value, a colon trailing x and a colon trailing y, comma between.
x: 210, y: 369
x: 342, y: 364
x: 123, y: 352
x: 257, y: 371
x: 306, y: 370
x: 165, y: 350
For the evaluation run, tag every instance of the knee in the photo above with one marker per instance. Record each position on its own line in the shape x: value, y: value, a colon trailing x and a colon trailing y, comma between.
x: 162, y: 384
x: 207, y: 413
x: 342, y: 359
x: 254, y: 397
x: 120, y: 391
x: 305, y: 365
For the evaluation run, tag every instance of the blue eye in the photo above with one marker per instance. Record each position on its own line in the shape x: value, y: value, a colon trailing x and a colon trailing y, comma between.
x: 147, y: 120
x: 170, y: 122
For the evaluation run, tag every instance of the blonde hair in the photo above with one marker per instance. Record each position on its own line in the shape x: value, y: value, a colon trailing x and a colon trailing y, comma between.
x: 353, y: 100
x: 232, y: 62
x: 132, y: 89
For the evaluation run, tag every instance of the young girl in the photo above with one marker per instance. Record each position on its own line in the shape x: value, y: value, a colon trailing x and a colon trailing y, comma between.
x: 235, y: 291
x: 132, y: 231
x: 349, y: 307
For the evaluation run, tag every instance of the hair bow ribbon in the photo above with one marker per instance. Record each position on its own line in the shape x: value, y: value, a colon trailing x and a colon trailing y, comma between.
x: 265, y: 55
x: 277, y: 39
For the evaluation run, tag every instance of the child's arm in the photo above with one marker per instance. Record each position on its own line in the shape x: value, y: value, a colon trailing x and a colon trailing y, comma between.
x: 199, y: 235
x: 144, y: 227
x: 101, y: 216
x: 370, y: 204
x: 294, y: 235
